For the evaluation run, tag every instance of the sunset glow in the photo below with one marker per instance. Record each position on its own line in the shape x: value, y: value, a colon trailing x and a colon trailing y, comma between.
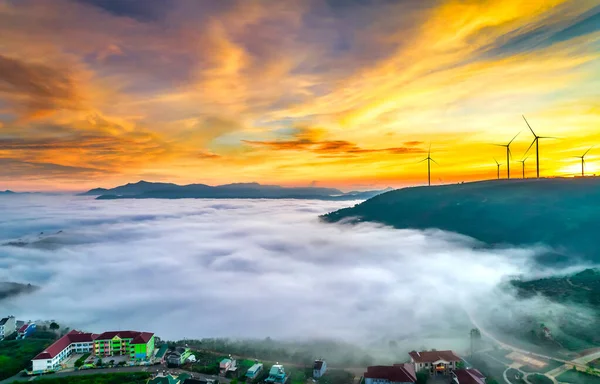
x: 341, y: 93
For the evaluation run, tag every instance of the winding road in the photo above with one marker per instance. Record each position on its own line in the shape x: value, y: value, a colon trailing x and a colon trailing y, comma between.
x: 579, y: 362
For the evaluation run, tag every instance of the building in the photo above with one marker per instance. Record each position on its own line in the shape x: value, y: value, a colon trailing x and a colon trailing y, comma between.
x: 395, y: 374
x: 136, y: 345
x: 434, y: 362
x: 276, y: 375
x: 319, y: 368
x: 162, y: 351
x: 467, y: 376
x: 8, y: 326
x: 26, y: 330
x: 254, y: 371
x: 72, y: 342
x: 227, y: 365
x: 178, y: 356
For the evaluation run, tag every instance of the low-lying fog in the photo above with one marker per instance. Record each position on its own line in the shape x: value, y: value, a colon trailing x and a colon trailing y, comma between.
x: 241, y: 268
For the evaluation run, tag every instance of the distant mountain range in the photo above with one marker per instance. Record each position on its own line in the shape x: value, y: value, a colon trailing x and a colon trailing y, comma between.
x: 7, y: 192
x: 563, y: 213
x: 148, y: 190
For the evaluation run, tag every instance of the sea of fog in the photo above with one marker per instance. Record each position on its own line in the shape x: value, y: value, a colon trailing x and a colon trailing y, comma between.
x: 240, y: 268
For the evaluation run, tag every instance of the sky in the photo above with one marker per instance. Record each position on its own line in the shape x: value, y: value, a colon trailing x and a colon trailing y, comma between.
x: 341, y: 93
x: 150, y: 265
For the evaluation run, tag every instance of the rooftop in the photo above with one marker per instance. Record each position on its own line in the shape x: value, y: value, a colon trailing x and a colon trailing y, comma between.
x: 137, y: 337
x: 401, y: 373
x: 62, y: 343
x: 469, y: 376
x: 433, y: 356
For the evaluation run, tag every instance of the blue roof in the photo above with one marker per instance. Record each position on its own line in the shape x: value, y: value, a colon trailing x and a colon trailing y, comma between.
x: 255, y: 368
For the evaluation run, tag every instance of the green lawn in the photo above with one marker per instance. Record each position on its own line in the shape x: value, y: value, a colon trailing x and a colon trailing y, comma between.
x: 107, y: 378
x: 576, y: 377
x: 16, y: 355
x: 512, y: 373
x: 539, y: 379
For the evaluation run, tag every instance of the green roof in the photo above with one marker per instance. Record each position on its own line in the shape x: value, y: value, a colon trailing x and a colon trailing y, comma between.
x: 162, y: 350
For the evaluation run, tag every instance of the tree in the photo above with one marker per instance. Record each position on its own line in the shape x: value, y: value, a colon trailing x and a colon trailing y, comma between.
x: 475, y: 336
x: 54, y: 326
x: 460, y: 365
x: 422, y: 376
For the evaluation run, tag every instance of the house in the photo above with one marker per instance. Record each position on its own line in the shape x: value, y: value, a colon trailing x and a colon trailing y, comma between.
x: 395, y: 374
x: 136, y: 345
x: 276, y: 375
x: 8, y: 326
x: 319, y: 368
x: 72, y: 342
x: 467, y: 376
x: 26, y: 330
x: 254, y: 371
x: 178, y: 356
x: 227, y: 365
x: 434, y: 362
x: 547, y: 333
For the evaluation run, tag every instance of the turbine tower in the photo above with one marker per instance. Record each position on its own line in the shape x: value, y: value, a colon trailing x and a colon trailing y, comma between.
x: 429, y: 160
x: 583, y: 161
x: 523, y: 164
x: 508, y: 154
x: 536, y: 141
x: 498, y: 164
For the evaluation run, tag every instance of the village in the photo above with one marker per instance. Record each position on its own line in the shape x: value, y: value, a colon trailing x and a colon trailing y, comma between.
x: 82, y: 353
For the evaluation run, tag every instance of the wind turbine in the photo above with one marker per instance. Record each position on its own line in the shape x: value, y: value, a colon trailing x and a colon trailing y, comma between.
x: 536, y: 141
x: 498, y: 164
x: 523, y: 163
x: 429, y: 160
x: 583, y: 161
x: 508, y: 154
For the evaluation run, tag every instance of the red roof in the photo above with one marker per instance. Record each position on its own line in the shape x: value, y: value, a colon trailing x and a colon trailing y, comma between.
x: 433, y: 356
x: 138, y: 337
x: 62, y: 343
x: 469, y: 376
x: 398, y: 373
x: 23, y: 328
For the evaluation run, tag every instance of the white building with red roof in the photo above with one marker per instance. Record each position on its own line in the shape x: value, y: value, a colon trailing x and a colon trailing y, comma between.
x: 52, y: 357
x: 435, y: 362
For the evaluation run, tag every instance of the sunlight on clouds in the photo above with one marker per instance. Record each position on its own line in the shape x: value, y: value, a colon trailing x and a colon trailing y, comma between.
x: 215, y: 92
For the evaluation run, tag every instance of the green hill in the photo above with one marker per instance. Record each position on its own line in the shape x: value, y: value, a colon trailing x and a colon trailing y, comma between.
x: 563, y: 213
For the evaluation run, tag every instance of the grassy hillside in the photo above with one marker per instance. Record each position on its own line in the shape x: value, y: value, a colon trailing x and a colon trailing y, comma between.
x: 563, y: 213
x: 574, y: 329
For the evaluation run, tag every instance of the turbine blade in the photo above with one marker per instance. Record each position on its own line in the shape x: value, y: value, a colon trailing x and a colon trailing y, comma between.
x: 429, y: 152
x: 496, y: 161
x: 513, y: 139
x: 547, y: 137
x: 529, y: 126
x: 533, y: 142
x: 586, y: 152
x: 509, y: 153
x: 434, y: 161
x: 422, y: 161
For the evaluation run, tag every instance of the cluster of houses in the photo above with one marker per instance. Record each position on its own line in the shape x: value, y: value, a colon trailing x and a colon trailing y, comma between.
x: 9, y: 325
x: 137, y: 346
x: 434, y: 363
